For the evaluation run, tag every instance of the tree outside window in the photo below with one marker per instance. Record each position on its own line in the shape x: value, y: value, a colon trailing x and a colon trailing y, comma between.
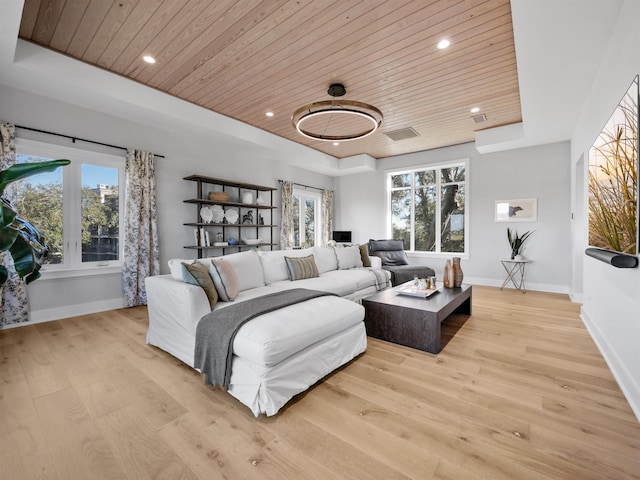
x: 427, y: 208
x: 78, y: 209
x: 306, y: 219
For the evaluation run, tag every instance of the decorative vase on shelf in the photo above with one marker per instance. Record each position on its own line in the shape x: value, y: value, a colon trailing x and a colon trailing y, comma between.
x: 447, y: 276
x: 458, y: 275
x: 259, y: 200
x: 247, y: 198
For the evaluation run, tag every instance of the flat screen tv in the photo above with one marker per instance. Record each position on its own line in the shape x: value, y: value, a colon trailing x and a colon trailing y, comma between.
x: 341, y: 236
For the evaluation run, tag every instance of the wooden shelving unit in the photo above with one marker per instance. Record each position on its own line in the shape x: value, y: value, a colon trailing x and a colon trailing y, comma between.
x: 232, y: 230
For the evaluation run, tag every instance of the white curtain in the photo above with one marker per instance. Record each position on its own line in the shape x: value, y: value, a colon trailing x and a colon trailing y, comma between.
x: 286, y: 230
x: 327, y: 216
x: 141, y: 251
x: 14, y: 306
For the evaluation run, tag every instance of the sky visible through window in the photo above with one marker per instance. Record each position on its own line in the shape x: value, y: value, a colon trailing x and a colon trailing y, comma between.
x: 92, y: 175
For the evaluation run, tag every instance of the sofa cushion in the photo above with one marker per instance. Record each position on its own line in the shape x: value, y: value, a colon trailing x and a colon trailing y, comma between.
x: 404, y: 273
x: 274, y: 266
x: 390, y: 251
x: 332, y: 282
x: 325, y: 258
x: 197, y: 274
x: 348, y: 257
x: 225, y: 279
x: 271, y: 338
x: 248, y: 269
x: 301, y: 267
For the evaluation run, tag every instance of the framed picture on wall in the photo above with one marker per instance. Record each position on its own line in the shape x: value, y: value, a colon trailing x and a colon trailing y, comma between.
x: 519, y: 210
x: 613, y: 179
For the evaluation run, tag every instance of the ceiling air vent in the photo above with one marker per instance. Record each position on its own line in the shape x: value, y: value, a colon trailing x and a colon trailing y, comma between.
x: 479, y: 118
x: 402, y: 134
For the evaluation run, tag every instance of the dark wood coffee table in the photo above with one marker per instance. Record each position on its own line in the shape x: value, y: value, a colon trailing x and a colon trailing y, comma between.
x: 413, y: 322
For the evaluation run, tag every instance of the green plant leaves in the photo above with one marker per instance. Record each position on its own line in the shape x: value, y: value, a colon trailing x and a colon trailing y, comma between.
x: 7, y: 214
x: 24, y: 170
x: 19, y: 237
x: 517, y: 241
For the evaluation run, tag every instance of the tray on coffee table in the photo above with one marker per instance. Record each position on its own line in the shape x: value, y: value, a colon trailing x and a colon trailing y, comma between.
x: 413, y: 291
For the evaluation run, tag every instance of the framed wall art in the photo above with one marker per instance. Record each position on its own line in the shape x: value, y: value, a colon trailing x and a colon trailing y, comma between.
x: 613, y: 179
x: 518, y: 210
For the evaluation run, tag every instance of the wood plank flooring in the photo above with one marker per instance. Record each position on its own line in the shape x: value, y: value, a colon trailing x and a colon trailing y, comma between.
x: 520, y: 391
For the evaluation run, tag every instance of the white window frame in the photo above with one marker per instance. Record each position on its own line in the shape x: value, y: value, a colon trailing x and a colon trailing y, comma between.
x: 317, y: 198
x: 437, y: 167
x: 72, y: 189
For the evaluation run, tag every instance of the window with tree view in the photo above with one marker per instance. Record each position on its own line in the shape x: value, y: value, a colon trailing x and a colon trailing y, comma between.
x: 427, y: 208
x: 306, y: 218
x: 76, y: 208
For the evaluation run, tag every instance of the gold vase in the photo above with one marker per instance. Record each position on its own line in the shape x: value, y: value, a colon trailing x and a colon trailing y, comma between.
x: 447, y: 276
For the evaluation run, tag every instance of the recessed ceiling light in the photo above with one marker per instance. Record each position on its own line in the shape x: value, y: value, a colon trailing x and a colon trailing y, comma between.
x: 269, y: 114
x: 443, y: 43
x: 335, y: 144
x: 475, y: 109
x: 149, y: 59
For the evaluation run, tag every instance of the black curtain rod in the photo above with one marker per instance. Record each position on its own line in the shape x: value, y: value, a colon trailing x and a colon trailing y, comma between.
x: 305, y: 186
x: 74, y: 139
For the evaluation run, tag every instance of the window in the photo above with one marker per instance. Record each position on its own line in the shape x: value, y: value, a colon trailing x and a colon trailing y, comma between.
x: 306, y: 218
x: 77, y: 208
x: 427, y: 208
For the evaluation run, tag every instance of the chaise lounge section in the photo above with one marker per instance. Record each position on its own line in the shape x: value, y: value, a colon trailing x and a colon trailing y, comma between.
x: 281, y: 353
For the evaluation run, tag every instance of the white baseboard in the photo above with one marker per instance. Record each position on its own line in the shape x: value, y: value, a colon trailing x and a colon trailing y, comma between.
x: 627, y: 383
x: 41, y: 316
x: 576, y: 297
x: 539, y: 287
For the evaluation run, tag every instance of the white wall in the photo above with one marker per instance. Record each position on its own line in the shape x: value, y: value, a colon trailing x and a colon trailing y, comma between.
x: 184, y: 155
x: 542, y: 172
x: 611, y: 308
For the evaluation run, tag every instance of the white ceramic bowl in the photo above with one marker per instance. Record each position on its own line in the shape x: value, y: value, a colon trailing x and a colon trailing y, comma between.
x: 251, y: 241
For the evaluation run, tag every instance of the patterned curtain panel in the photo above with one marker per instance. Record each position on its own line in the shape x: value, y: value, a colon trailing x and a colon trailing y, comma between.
x: 286, y: 230
x: 327, y: 216
x: 14, y: 307
x: 141, y: 251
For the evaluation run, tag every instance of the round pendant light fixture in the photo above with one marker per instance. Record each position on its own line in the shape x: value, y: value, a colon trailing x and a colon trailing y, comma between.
x: 337, y: 120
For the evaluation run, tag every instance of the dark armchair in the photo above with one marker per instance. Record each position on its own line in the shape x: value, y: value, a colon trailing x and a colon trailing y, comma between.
x: 394, y: 259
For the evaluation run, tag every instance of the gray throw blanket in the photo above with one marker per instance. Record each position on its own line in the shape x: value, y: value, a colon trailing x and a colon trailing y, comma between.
x: 216, y: 330
x: 383, y: 278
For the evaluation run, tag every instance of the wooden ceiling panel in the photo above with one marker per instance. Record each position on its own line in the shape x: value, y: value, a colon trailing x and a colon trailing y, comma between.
x: 244, y: 58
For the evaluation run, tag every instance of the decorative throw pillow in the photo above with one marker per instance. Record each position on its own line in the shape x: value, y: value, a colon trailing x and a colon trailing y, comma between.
x: 197, y: 274
x: 348, y: 257
x: 364, y: 255
x: 301, y: 267
x: 175, y: 267
x: 225, y: 279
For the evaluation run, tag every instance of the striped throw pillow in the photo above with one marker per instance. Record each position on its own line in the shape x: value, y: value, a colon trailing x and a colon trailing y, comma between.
x: 301, y: 267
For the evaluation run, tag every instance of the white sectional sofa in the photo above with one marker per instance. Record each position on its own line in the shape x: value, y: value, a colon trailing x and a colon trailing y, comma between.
x: 279, y: 354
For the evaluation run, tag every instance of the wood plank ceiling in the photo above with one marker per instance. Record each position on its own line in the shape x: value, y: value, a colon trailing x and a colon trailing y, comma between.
x: 245, y: 58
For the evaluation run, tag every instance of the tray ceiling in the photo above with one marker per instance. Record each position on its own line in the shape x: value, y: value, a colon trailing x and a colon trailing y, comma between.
x: 246, y: 58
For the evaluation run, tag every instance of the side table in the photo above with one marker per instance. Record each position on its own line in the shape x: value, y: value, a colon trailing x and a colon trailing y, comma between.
x: 515, y: 273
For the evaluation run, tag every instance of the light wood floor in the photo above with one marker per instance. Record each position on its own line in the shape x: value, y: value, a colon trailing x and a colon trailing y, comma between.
x: 519, y: 392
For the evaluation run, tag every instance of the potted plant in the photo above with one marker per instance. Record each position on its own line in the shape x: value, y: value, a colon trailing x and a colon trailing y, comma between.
x: 19, y: 237
x: 517, y: 241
